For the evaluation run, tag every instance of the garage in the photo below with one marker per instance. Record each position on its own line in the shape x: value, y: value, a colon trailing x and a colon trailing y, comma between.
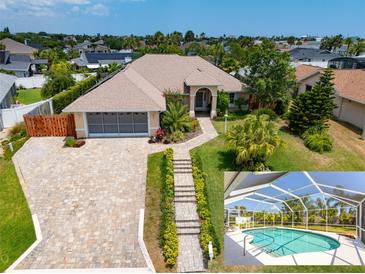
x: 105, y: 124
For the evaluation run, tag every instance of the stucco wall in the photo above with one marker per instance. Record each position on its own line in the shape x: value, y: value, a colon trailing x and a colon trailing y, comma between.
x: 309, y: 81
x: 80, y: 125
x: 351, y: 112
x: 154, y: 121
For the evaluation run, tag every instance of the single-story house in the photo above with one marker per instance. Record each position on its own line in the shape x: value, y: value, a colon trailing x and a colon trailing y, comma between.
x: 349, y: 87
x: 21, y: 65
x: 7, y: 91
x: 17, y: 48
x: 130, y: 102
x: 93, y: 60
x: 311, y: 56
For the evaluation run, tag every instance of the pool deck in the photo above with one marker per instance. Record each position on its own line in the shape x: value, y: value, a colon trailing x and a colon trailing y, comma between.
x: 351, y: 252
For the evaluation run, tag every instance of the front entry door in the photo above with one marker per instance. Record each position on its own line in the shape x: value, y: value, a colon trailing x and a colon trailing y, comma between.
x: 199, y: 99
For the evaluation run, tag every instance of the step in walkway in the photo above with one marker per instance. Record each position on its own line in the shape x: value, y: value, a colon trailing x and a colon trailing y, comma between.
x: 190, y: 257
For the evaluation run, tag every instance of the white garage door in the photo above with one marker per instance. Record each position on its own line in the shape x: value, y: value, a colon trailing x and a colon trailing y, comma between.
x: 117, y: 124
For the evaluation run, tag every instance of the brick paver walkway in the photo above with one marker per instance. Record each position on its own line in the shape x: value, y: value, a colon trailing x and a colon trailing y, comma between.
x: 190, y: 257
x: 88, y: 199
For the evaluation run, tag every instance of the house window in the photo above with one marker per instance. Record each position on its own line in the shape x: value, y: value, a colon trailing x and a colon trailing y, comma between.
x: 308, y: 87
x: 231, y: 98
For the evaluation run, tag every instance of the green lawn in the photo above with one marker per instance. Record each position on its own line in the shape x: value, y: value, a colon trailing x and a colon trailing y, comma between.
x: 217, y: 158
x: 16, y: 226
x: 29, y: 96
x: 294, y: 156
x: 153, y: 213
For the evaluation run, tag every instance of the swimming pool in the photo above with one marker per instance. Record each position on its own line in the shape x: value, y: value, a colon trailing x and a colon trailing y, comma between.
x: 282, y: 242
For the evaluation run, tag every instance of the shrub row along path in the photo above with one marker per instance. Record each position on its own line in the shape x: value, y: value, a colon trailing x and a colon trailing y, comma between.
x: 83, y: 196
x: 190, y: 257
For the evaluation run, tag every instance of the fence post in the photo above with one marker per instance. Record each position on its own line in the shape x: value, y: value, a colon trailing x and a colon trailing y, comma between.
x: 50, y: 102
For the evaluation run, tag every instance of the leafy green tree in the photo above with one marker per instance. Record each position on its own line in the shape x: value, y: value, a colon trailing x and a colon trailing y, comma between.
x: 59, y: 79
x: 357, y: 48
x: 291, y: 40
x: 315, y: 107
x: 230, y: 64
x: 254, y: 141
x: 176, y: 118
x: 216, y: 52
x: 53, y: 55
x: 189, y: 36
x: 270, y: 77
x: 222, y: 103
x: 2, y: 46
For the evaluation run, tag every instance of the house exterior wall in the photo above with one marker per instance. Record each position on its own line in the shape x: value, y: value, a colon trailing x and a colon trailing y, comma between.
x: 347, y: 110
x: 351, y: 112
x: 213, y: 91
x: 154, y: 121
x: 7, y: 101
x: 80, y: 124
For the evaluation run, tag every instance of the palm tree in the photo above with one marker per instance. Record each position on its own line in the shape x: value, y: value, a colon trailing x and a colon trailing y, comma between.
x: 254, y: 141
x: 357, y: 48
x: 348, y: 42
x: 176, y: 118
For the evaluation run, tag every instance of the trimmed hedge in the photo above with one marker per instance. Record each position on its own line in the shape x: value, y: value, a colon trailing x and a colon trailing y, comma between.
x: 66, y: 97
x: 207, y: 230
x: 168, y: 233
x: 319, y: 141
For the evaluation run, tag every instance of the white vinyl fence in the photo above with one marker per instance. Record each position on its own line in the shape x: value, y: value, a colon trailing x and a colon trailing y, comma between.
x: 37, y: 81
x: 11, y: 116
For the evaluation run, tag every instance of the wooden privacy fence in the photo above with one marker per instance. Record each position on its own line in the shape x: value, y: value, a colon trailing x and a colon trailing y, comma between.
x: 50, y: 125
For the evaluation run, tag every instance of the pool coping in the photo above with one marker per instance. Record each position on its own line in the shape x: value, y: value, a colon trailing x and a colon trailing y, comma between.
x: 343, y: 255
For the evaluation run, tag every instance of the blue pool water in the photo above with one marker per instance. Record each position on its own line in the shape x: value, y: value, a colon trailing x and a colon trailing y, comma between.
x: 281, y: 242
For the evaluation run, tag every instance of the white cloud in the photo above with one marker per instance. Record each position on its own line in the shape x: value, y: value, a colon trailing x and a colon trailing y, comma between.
x: 76, y: 2
x: 75, y: 9
x: 98, y: 9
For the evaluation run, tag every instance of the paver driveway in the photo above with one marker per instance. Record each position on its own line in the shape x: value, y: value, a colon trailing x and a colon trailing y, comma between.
x: 87, y: 201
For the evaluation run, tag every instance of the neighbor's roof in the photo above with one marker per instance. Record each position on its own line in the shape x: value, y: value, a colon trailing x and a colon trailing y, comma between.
x: 95, y: 57
x: 17, y: 48
x: 6, y: 82
x: 126, y: 91
x: 349, y: 83
x: 304, y: 71
x: 141, y: 85
x: 311, y: 53
x: 16, y: 66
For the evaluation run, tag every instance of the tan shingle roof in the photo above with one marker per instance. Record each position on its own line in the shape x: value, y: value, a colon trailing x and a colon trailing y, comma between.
x: 169, y: 71
x: 17, y: 48
x: 304, y: 71
x: 120, y: 93
x: 349, y: 83
x: 140, y: 86
x: 200, y: 78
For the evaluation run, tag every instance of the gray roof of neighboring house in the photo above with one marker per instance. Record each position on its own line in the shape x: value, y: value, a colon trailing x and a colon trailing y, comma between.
x: 141, y: 85
x: 6, y: 82
x: 95, y: 57
x: 311, y: 53
x: 16, y: 66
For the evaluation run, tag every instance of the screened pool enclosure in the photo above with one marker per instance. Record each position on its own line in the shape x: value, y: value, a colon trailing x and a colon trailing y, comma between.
x: 327, y: 201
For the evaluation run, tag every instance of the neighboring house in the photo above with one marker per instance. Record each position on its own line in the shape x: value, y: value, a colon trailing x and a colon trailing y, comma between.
x: 311, y: 56
x: 88, y: 46
x: 130, y: 102
x: 21, y: 65
x: 95, y: 60
x: 347, y: 63
x: 349, y: 91
x: 16, y: 48
x: 7, y: 91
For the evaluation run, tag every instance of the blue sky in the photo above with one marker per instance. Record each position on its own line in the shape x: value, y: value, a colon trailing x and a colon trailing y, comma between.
x: 214, y: 17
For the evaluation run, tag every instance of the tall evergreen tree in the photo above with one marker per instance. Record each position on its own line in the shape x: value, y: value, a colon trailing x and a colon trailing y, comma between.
x: 314, y: 107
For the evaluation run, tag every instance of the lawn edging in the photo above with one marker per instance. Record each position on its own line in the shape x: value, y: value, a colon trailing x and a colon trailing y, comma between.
x: 141, y: 243
x: 39, y: 238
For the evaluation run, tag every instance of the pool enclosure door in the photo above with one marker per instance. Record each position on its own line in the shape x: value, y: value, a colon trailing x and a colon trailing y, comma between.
x: 114, y: 124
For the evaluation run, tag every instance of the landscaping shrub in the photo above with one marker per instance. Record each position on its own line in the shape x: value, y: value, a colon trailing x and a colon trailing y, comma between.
x: 17, y: 132
x: 207, y: 231
x: 176, y: 118
x: 222, y: 103
x: 168, y: 233
x: 175, y: 97
x: 70, y: 141
x: 66, y: 97
x: 317, y: 139
x: 17, y: 144
x: 176, y: 136
x: 273, y: 116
